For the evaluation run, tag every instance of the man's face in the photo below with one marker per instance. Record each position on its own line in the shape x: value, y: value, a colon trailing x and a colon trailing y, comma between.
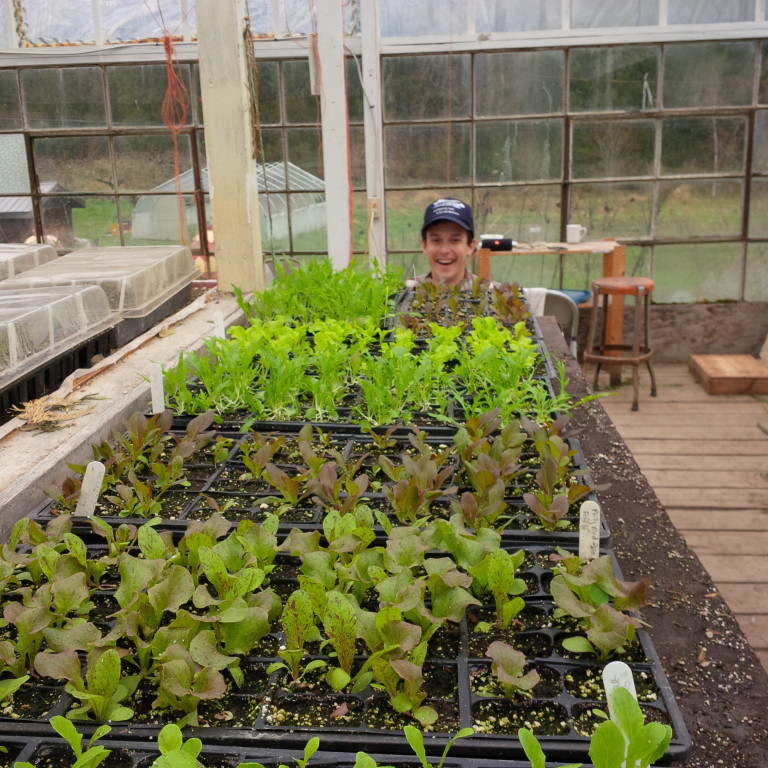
x: 447, y: 247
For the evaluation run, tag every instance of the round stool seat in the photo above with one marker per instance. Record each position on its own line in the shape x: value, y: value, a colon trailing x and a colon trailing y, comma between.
x: 623, y: 286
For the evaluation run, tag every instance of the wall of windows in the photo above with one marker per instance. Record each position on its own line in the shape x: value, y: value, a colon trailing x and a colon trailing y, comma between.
x: 661, y: 145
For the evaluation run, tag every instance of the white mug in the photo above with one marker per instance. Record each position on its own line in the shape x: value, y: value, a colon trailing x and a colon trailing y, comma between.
x: 574, y: 233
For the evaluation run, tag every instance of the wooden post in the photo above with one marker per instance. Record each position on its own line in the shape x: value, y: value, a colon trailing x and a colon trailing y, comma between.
x: 614, y: 265
x: 232, y: 169
x: 335, y: 130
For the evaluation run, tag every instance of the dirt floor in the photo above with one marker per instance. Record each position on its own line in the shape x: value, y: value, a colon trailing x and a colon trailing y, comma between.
x: 718, y: 682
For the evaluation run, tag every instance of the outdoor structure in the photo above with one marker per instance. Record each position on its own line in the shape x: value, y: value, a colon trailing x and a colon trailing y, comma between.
x: 156, y: 215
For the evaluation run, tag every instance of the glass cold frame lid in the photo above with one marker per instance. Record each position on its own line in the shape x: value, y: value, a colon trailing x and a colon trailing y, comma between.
x: 136, y: 279
x: 19, y: 257
x: 38, y: 324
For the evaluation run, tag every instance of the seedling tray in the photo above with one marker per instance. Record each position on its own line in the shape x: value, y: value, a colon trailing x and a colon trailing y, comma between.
x: 135, y: 753
x: 270, y: 709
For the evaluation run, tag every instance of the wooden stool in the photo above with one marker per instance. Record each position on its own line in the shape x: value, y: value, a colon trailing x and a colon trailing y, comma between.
x: 639, y: 351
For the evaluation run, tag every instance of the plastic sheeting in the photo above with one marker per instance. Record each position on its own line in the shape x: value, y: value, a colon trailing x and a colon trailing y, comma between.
x: 61, y: 21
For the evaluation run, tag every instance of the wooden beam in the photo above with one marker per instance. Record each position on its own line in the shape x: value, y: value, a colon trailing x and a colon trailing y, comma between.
x: 232, y: 169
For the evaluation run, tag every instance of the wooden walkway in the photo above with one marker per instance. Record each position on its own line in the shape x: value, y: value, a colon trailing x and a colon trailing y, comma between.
x: 707, y: 459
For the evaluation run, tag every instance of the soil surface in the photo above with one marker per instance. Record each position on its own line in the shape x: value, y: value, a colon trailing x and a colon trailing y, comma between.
x: 718, y: 681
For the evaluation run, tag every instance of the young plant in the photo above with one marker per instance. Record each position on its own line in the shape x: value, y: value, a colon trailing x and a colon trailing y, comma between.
x: 416, y: 483
x: 416, y: 741
x: 298, y: 621
x: 593, y: 595
x: 175, y: 752
x: 496, y: 573
x: 102, y: 689
x: 90, y: 757
x: 509, y: 668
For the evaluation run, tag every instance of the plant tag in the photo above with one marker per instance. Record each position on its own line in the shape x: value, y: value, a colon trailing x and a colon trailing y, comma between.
x: 156, y: 387
x: 617, y: 674
x: 219, y: 331
x: 589, y: 531
x: 90, y: 489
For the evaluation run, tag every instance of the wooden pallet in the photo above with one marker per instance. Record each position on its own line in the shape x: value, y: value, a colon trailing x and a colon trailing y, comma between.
x: 730, y: 374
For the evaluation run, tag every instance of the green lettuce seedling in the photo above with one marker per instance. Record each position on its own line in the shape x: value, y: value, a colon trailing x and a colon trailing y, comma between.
x: 174, y: 751
x: 92, y: 756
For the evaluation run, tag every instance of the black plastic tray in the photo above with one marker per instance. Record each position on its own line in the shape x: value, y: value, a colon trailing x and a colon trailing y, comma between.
x: 457, y: 653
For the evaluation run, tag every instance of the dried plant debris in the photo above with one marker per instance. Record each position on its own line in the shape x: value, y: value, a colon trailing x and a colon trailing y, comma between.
x: 48, y: 413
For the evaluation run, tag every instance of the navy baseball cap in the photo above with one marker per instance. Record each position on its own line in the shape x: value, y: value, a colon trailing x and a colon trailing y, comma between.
x: 449, y: 209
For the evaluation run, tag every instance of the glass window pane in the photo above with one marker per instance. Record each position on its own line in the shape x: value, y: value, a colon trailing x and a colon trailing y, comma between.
x: 75, y: 164
x: 611, y: 149
x: 426, y: 87
x: 156, y: 219
x: 269, y: 91
x: 612, y: 210
x: 710, y: 11
x: 690, y: 273
x: 95, y: 222
x: 57, y: 213
x: 305, y: 155
x: 529, y: 213
x: 699, y: 208
x: 71, y: 97
x: 756, y: 283
x: 357, y: 156
x: 308, y: 223
x: 519, y: 83
x: 427, y: 154
x: 147, y: 163
x: 703, y: 144
x: 612, y: 79
x: 136, y: 93
x: 355, y: 99
x: 14, y: 172
x: 708, y: 74
x: 10, y: 104
x: 763, y: 94
x: 760, y: 143
x: 272, y: 145
x: 628, y: 13
x: 518, y: 15
x: 758, y: 205
x: 580, y: 269
x: 300, y: 105
x: 519, y: 150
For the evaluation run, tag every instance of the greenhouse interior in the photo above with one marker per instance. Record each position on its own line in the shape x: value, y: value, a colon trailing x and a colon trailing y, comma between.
x: 313, y: 312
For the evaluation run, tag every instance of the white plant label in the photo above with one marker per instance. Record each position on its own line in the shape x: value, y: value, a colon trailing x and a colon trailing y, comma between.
x: 156, y: 387
x: 616, y: 674
x: 589, y: 531
x: 90, y: 489
x: 219, y: 331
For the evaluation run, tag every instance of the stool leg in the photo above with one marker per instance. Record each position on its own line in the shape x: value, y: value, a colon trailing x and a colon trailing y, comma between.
x: 648, y: 341
x: 639, y: 302
x: 653, y: 378
x: 593, y: 329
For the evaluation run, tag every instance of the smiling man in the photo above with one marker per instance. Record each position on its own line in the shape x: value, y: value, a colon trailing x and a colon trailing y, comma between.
x: 447, y: 240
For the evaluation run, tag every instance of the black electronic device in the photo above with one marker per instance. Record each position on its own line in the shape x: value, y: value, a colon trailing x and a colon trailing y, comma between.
x: 497, y: 242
